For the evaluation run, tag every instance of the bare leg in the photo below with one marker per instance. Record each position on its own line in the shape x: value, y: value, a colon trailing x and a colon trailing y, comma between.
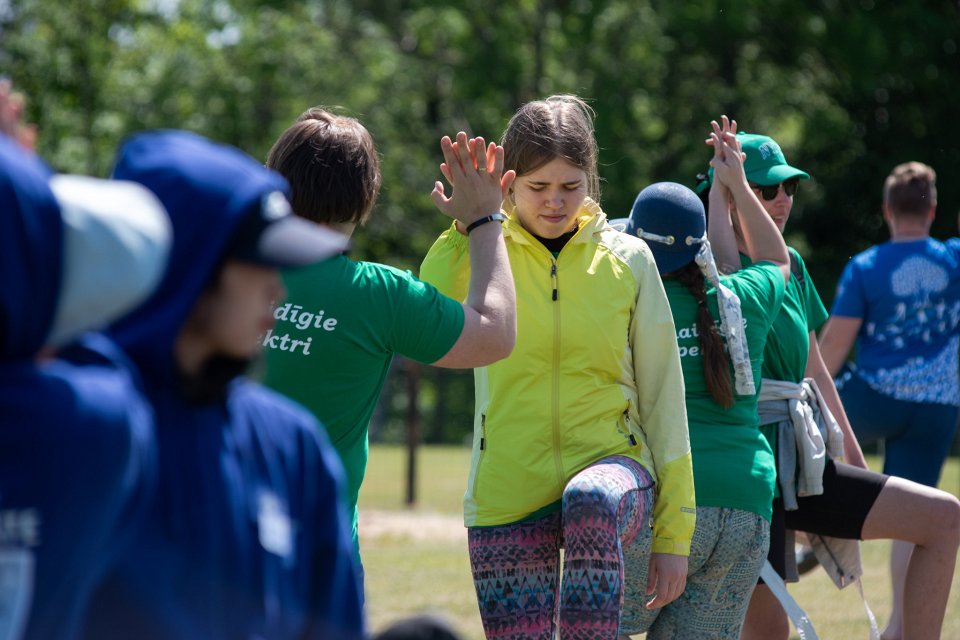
x: 766, y: 619
x: 899, y: 561
x: 930, y: 519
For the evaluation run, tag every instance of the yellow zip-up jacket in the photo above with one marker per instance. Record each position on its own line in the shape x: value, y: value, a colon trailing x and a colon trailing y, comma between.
x: 595, y: 372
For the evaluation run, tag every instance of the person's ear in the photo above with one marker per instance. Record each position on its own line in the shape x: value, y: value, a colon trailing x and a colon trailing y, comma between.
x: 887, y: 215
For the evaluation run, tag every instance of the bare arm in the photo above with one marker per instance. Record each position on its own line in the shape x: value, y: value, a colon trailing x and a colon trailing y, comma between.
x: 489, y: 321
x: 760, y: 235
x: 817, y: 370
x: 723, y: 240
x: 490, y: 311
x: 836, y: 340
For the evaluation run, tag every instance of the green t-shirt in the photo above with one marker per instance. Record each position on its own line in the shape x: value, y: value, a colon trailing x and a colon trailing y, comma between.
x: 733, y: 465
x: 335, y: 336
x: 785, y: 357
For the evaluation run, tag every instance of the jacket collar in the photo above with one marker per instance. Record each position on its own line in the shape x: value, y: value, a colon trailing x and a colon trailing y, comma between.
x: 590, y: 220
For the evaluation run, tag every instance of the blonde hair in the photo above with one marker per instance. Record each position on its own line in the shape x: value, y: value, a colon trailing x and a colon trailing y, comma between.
x: 560, y: 126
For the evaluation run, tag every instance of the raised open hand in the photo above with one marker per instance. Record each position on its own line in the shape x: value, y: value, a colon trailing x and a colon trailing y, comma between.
x: 728, y: 157
x: 727, y: 161
x: 475, y: 171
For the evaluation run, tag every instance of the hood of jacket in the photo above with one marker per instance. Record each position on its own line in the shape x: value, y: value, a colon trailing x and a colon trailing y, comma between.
x: 76, y: 252
x: 207, y: 189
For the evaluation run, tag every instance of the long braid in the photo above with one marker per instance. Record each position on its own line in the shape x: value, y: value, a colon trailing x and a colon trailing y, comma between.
x: 716, y: 362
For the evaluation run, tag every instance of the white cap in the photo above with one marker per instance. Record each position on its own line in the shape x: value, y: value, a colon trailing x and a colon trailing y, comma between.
x: 116, y: 241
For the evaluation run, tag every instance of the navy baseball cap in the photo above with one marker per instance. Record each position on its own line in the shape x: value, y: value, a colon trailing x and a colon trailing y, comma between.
x: 670, y: 218
x: 78, y: 251
x: 193, y: 176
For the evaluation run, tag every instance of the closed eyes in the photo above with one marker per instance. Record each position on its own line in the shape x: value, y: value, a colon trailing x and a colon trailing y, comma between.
x: 570, y: 186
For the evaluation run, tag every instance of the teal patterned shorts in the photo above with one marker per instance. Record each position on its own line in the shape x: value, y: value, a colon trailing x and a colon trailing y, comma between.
x: 726, y: 554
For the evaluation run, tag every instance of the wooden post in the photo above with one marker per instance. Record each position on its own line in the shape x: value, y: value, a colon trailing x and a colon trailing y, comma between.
x: 412, y: 370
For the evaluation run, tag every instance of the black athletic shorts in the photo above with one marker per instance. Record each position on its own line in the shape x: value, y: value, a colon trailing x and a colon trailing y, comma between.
x: 839, y: 512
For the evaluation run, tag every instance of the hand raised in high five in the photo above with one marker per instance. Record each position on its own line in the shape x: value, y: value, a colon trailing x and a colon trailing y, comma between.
x: 475, y: 171
x: 759, y: 237
x: 721, y: 207
x: 728, y: 157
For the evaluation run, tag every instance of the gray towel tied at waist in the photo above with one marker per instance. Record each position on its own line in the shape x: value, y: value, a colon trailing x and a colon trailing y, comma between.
x: 807, y: 434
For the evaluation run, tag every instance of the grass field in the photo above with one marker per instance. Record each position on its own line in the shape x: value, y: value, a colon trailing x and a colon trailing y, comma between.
x: 416, y: 558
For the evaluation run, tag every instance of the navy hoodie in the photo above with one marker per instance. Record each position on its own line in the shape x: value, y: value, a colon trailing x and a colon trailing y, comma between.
x: 76, y: 449
x: 248, y: 537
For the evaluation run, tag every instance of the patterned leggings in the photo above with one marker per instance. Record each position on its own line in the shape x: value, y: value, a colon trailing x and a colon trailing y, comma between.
x: 516, y: 567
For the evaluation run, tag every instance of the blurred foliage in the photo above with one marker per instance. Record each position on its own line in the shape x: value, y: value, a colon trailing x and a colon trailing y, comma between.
x: 849, y: 89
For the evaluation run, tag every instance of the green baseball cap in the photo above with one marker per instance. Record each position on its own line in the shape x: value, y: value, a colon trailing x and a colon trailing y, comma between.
x: 764, y: 164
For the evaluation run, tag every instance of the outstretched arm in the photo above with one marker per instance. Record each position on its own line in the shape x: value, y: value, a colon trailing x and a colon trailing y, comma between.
x: 490, y: 315
x: 723, y: 240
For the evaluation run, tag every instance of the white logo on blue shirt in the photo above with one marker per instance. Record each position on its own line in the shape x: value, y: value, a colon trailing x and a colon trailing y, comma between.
x: 919, y: 317
x: 918, y: 276
x: 274, y: 526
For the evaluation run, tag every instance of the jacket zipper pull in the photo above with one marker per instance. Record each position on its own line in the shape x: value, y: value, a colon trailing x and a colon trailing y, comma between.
x: 553, y: 276
x: 483, y: 425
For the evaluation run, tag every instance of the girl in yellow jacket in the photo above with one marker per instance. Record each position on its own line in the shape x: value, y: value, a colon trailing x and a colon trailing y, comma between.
x: 580, y: 436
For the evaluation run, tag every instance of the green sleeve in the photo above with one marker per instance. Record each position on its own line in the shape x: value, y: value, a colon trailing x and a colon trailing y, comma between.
x: 816, y: 311
x: 763, y: 285
x: 426, y: 323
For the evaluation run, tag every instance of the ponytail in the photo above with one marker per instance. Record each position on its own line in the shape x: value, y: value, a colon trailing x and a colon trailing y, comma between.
x: 716, y: 363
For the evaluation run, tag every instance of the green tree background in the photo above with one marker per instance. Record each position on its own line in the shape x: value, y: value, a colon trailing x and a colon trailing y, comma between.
x: 849, y: 89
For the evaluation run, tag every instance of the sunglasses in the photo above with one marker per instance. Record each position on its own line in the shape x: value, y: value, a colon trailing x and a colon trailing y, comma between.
x: 769, y: 191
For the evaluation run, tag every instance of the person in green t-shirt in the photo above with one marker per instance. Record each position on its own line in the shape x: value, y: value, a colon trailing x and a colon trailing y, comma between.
x: 344, y: 320
x: 733, y: 465
x: 834, y: 502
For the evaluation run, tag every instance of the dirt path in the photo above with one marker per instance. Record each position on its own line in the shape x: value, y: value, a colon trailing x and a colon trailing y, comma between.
x: 441, y: 527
